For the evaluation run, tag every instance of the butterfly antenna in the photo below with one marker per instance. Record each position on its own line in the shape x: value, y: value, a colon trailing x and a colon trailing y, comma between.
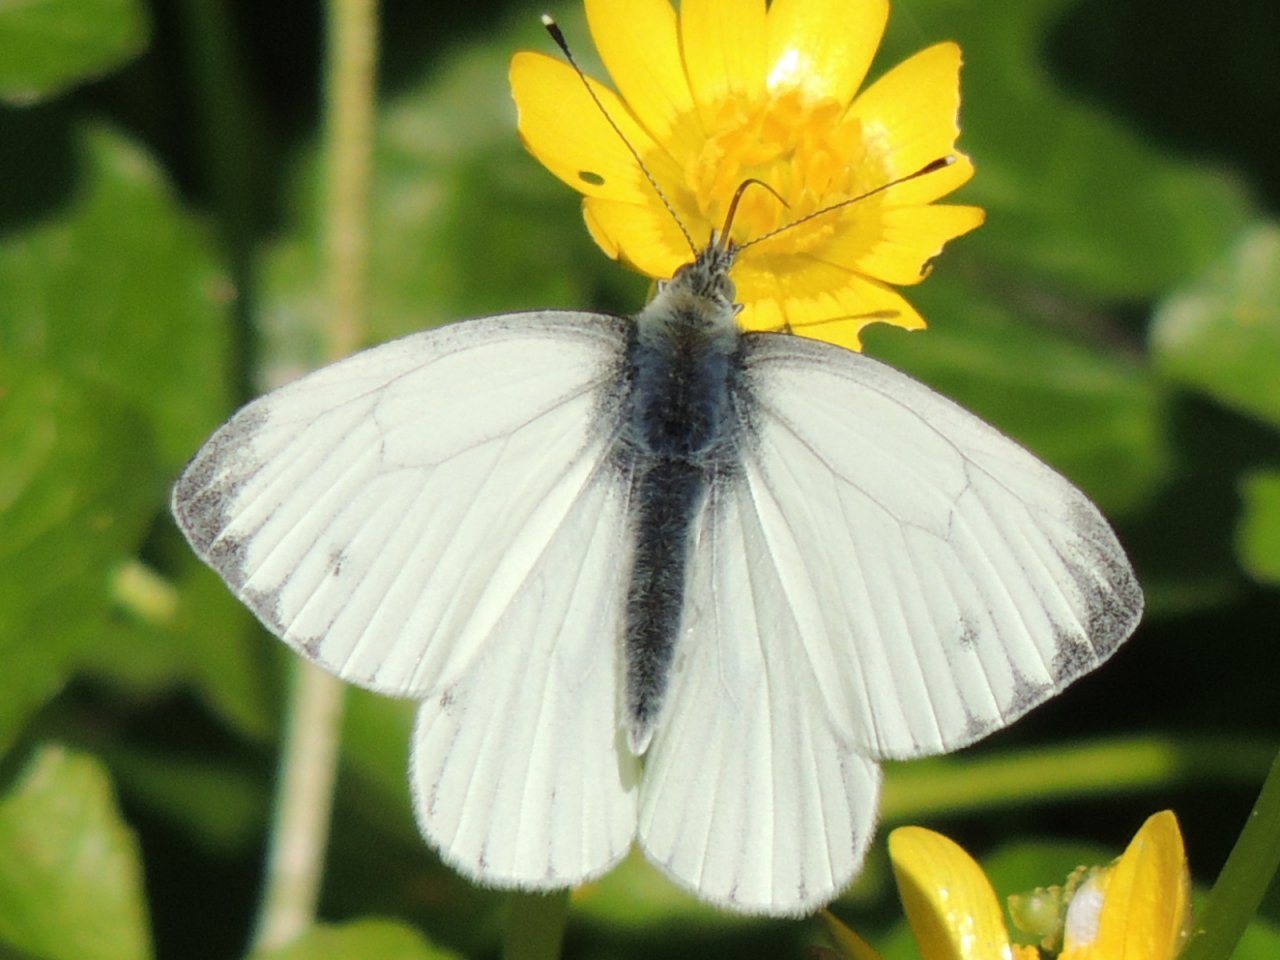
x: 931, y: 167
x: 553, y: 28
x: 723, y: 237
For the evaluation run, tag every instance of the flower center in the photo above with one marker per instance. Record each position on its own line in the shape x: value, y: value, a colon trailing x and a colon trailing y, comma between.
x: 805, y: 150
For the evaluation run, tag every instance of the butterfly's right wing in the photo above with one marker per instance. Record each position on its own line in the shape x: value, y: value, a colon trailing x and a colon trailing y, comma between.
x: 884, y: 576
x: 439, y: 518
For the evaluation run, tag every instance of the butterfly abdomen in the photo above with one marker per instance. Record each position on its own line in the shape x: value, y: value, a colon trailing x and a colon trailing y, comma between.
x: 667, y: 497
x: 680, y: 433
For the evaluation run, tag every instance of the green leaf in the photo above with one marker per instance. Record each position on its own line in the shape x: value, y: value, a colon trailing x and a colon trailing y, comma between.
x: 635, y: 896
x: 1072, y: 193
x: 1258, y: 537
x: 121, y: 287
x: 77, y: 488
x: 223, y: 803
x: 70, y: 875
x: 360, y: 940
x: 200, y: 637
x: 1261, y: 941
x: 376, y: 735
x: 1221, y: 334
x: 47, y: 46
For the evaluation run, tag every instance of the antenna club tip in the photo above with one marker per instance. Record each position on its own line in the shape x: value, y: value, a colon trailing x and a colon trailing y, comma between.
x: 548, y: 20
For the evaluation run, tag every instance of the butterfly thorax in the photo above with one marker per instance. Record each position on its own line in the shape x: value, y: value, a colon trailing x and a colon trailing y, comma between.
x: 682, y: 358
x: 680, y: 433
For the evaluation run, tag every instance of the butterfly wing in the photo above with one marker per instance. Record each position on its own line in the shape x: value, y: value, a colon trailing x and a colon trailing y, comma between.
x: 751, y: 798
x: 942, y: 581
x: 438, y: 518
x: 543, y: 796
x: 886, y: 577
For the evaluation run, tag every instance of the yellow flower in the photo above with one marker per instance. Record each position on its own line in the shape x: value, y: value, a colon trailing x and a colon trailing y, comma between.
x: 1143, y: 901
x: 1136, y: 909
x: 729, y: 91
x: 951, y: 907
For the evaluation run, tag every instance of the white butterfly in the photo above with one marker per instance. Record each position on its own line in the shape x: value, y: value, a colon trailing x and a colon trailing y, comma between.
x: 657, y: 580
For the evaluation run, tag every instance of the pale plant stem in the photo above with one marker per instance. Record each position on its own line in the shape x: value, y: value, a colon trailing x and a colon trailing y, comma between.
x: 349, y: 148
x: 308, y: 767
x: 309, y: 754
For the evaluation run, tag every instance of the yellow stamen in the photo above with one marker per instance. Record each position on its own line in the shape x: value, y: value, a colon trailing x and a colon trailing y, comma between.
x: 805, y: 149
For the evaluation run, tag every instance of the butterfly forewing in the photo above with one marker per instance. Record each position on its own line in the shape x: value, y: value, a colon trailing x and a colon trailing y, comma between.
x: 380, y: 514
x: 939, y: 581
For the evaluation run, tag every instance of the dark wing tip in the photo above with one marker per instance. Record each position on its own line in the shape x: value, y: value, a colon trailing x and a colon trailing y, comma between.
x: 205, y: 493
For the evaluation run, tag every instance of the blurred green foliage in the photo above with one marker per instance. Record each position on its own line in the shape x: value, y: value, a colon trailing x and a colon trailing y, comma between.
x: 71, y: 879
x: 160, y: 261
x: 365, y: 938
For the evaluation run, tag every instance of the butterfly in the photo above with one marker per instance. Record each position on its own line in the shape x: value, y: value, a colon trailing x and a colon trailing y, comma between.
x: 657, y: 580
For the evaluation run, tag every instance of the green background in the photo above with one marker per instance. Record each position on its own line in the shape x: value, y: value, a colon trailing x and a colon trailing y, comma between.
x: 160, y: 262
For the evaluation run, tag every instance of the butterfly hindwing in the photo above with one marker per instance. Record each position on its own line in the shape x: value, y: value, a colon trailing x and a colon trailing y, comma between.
x: 751, y: 797
x: 519, y: 771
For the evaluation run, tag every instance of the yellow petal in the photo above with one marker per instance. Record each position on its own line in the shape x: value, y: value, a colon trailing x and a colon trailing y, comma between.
x: 823, y: 47
x: 640, y: 47
x: 932, y: 185
x: 1147, y: 899
x: 951, y: 907
x: 642, y: 235
x: 571, y: 137
x: 849, y: 946
x: 907, y: 239
x: 818, y: 300
x: 724, y: 44
x: 729, y: 90
x: 909, y: 119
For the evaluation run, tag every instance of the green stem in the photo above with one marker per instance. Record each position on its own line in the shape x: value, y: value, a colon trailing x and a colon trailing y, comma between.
x: 309, y: 760
x: 1244, y: 879
x: 1103, y: 768
x: 535, y: 925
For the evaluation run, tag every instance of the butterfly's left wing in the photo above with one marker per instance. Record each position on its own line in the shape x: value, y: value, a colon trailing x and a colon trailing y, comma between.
x: 885, y: 576
x: 440, y: 518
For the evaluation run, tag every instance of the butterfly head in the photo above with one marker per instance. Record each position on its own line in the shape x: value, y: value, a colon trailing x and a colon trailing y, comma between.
x: 707, y: 276
x: 703, y: 288
x: 701, y: 295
